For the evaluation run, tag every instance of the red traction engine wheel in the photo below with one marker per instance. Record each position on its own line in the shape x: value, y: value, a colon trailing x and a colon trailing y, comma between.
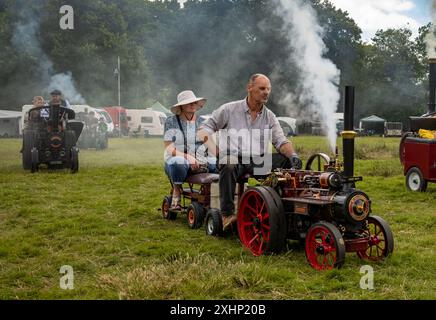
x: 325, y: 247
x: 381, y: 240
x: 261, y: 221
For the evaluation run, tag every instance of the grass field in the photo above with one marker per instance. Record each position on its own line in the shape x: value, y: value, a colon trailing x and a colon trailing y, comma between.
x: 104, y: 223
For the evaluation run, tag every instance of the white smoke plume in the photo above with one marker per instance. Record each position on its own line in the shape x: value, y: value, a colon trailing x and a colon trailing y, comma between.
x: 319, y: 77
x: 431, y: 37
x: 25, y: 39
x: 64, y: 83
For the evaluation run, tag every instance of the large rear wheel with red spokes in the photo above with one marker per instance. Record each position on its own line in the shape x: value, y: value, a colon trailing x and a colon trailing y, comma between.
x: 325, y: 247
x: 381, y: 240
x: 261, y: 221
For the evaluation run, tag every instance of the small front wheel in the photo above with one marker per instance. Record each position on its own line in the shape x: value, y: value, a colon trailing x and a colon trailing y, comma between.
x: 381, y: 240
x: 167, y: 213
x: 214, y: 223
x: 195, y: 215
x: 325, y: 247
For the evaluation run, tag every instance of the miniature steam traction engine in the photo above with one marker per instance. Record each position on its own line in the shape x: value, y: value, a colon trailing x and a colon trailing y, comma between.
x: 320, y: 207
x: 323, y: 208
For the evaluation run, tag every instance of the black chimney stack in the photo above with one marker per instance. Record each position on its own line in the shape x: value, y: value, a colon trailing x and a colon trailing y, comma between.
x: 348, y: 134
x: 432, y: 84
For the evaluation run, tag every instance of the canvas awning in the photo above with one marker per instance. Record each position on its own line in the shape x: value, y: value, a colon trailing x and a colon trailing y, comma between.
x: 157, y: 106
x: 373, y: 118
x: 8, y: 114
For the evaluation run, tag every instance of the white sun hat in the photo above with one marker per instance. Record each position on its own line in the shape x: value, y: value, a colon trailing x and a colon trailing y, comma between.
x: 187, y: 97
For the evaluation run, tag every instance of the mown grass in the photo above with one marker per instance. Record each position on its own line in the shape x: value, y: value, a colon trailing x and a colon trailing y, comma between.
x: 104, y: 222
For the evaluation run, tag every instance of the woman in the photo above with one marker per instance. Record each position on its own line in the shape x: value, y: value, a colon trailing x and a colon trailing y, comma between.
x: 35, y: 115
x: 184, y: 152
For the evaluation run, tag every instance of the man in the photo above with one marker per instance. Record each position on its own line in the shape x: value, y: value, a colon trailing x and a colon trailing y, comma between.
x: 91, y: 121
x: 252, y: 116
x: 56, y: 99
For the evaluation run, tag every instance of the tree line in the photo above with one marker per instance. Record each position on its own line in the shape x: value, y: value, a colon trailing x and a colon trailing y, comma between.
x: 209, y: 46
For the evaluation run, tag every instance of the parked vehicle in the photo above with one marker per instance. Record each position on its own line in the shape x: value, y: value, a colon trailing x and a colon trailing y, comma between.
x: 119, y: 119
x: 145, y: 122
x: 107, y: 119
x: 393, y: 129
x: 417, y: 155
x: 289, y: 126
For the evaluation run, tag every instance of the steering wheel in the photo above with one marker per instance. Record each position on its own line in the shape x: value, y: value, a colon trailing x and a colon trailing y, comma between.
x: 318, y: 158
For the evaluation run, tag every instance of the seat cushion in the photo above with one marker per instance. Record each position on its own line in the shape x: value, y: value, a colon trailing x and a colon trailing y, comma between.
x: 203, y: 178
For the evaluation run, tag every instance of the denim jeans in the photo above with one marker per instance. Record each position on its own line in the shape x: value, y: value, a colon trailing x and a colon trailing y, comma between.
x: 178, y: 168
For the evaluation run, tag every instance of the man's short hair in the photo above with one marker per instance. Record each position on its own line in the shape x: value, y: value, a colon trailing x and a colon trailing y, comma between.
x: 56, y: 92
x: 254, y: 77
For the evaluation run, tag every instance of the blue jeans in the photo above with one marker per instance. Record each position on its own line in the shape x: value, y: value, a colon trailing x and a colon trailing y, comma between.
x: 178, y: 168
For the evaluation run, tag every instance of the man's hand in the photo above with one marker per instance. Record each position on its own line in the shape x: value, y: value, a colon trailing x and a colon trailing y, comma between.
x: 296, y: 162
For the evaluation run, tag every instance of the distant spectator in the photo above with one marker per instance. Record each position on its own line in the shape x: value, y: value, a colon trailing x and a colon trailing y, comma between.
x: 91, y: 120
x: 34, y: 115
x: 102, y: 126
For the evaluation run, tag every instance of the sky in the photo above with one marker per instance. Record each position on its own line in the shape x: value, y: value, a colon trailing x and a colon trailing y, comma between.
x: 372, y: 15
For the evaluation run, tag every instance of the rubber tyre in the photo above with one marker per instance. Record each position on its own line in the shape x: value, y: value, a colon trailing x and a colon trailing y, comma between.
x: 415, y: 180
x: 167, y: 214
x: 74, y: 160
x: 34, y: 154
x: 214, y: 223
x: 261, y: 221
x: 70, y: 142
x: 29, y: 139
x: 195, y: 215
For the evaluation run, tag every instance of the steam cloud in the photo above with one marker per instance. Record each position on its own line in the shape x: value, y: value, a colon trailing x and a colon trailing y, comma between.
x: 25, y: 39
x: 319, y: 77
x: 431, y: 38
x: 64, y: 83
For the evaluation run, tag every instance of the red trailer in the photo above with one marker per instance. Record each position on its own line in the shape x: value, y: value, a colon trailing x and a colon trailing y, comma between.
x: 119, y: 117
x: 418, y: 155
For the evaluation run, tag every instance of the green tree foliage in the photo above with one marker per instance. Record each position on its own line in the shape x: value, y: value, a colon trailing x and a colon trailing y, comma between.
x: 393, y: 75
x: 209, y: 46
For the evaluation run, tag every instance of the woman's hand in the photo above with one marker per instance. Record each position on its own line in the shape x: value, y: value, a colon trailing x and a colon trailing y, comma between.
x: 193, y: 162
